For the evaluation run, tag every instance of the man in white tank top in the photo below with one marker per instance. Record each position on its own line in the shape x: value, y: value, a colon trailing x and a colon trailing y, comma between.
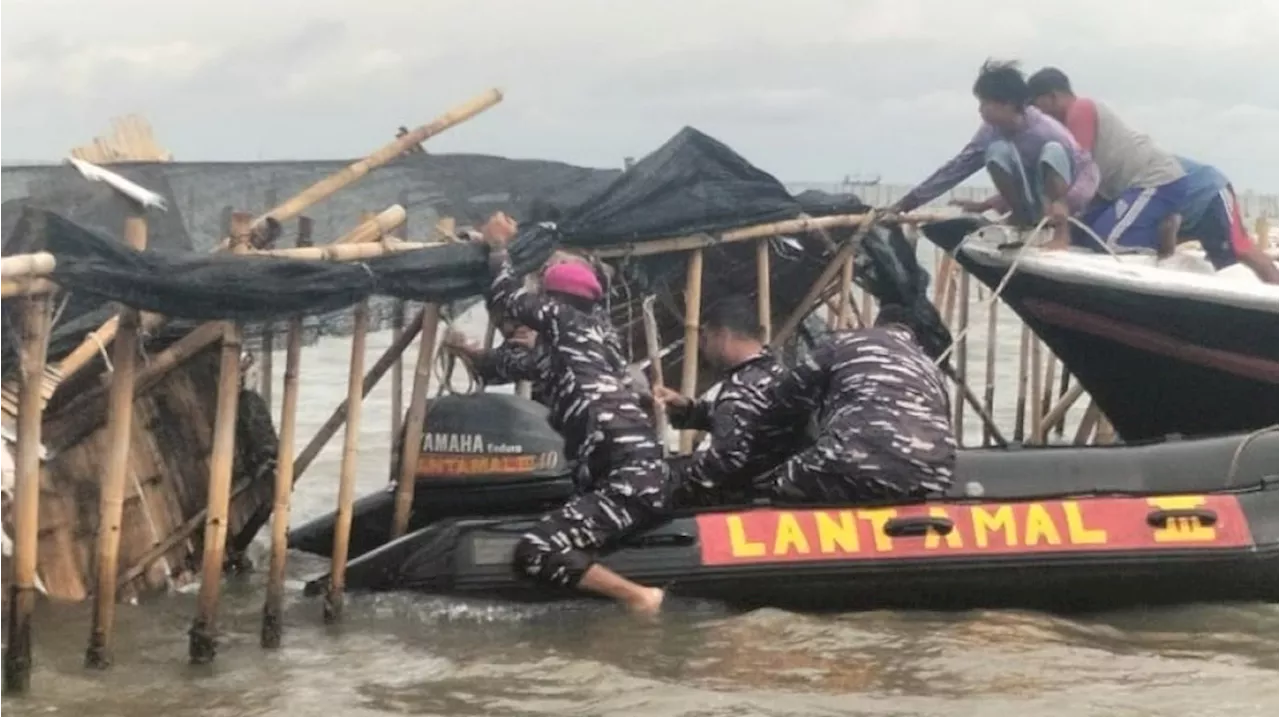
x: 1142, y: 186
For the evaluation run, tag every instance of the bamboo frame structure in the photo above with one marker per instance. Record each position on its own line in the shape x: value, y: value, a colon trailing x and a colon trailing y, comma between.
x: 22, y: 596
x: 272, y: 624
x: 764, y: 287
x: 333, y: 599
x: 111, y: 496
x: 657, y: 383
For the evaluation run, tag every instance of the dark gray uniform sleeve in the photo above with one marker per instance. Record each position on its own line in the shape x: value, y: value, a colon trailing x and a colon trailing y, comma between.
x: 508, y: 363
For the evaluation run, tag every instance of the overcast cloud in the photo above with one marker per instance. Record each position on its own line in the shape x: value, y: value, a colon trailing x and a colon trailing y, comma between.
x: 807, y: 89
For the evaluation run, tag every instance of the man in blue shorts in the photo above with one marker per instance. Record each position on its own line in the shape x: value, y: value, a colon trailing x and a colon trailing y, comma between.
x: 1211, y: 215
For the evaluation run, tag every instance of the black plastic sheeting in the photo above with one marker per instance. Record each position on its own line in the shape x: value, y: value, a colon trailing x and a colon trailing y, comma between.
x: 886, y: 266
x: 691, y: 184
x: 256, y: 288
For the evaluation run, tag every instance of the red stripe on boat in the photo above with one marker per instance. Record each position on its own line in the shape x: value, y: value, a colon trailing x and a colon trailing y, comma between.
x: 1251, y: 367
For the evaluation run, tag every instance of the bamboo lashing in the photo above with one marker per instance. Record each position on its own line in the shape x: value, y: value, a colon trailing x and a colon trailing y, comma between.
x: 692, y: 321
x: 112, y: 489
x: 37, y: 317
x: 757, y: 231
x: 333, y: 600
x: 411, y: 439
x: 656, y: 382
x: 21, y: 266
x: 202, y: 645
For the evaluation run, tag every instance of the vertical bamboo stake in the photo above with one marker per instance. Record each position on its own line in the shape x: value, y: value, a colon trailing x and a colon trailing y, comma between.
x: 962, y: 358
x: 692, y: 314
x: 26, y: 509
x: 989, y: 393
x: 411, y: 446
x: 202, y: 646
x: 844, y: 318
x: 1046, y: 401
x: 347, y: 477
x: 764, y: 286
x: 397, y: 369
x: 655, y: 365
x: 272, y: 625
x: 1020, y: 413
x: 1037, y: 433
x: 1106, y: 434
x: 1064, y: 386
x: 111, y: 492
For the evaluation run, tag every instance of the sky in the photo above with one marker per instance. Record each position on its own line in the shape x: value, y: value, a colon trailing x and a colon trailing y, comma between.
x: 809, y: 90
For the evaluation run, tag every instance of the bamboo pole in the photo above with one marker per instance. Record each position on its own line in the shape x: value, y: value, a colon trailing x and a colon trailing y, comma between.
x: 844, y: 316
x: 272, y: 624
x: 1064, y: 387
x: 339, y: 415
x: 792, y: 226
x: 397, y: 369
x: 1056, y: 415
x: 655, y: 364
x: 962, y: 357
x: 1046, y: 401
x: 692, y: 319
x: 333, y: 600
x: 30, y: 286
x: 26, y: 509
x: 1088, y: 422
x: 21, y: 266
x: 764, y: 288
x: 1020, y: 412
x: 989, y: 392
x: 816, y: 291
x: 202, y: 644
x: 1037, y: 433
x: 111, y: 492
x: 411, y: 444
x: 326, y: 187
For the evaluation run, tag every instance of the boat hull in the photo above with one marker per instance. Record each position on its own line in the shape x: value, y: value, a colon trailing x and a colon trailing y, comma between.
x: 1156, y: 363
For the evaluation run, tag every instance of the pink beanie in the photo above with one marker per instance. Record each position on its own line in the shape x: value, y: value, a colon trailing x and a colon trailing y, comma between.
x: 573, y: 279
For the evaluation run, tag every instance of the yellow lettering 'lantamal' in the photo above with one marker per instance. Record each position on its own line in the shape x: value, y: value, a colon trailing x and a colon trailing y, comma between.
x: 790, y: 536
x: 1077, y: 532
x: 986, y: 522
x: 1040, y: 526
x: 878, y: 517
x: 739, y: 545
x: 832, y: 534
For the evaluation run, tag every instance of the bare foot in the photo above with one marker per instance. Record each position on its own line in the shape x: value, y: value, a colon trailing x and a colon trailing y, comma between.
x: 1058, y: 243
x: 647, y: 604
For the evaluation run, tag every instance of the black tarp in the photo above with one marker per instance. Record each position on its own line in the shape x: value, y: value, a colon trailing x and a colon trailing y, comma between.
x: 258, y: 288
x: 693, y: 183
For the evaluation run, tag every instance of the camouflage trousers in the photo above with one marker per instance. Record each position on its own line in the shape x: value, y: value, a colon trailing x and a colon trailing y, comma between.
x: 845, y: 467
x: 561, y: 546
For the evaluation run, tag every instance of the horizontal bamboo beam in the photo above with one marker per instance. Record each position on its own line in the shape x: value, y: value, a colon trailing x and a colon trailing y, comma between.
x: 40, y: 263
x: 791, y: 226
x: 26, y: 286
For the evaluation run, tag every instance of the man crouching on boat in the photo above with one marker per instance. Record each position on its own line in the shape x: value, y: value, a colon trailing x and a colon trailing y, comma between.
x: 744, y: 442
x: 1141, y: 186
x: 619, y: 460
x: 1038, y: 168
x: 884, y: 416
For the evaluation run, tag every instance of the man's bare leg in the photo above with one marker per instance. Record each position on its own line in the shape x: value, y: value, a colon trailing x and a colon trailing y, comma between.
x: 635, y: 597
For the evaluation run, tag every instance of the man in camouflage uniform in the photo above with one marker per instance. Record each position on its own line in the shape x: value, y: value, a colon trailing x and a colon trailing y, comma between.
x: 884, y: 417
x: 744, y: 441
x: 605, y: 428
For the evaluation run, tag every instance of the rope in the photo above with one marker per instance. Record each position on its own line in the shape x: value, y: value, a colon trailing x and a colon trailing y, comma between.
x: 102, y: 349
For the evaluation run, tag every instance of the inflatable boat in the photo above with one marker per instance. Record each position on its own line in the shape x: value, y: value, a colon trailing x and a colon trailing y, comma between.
x: 1048, y: 527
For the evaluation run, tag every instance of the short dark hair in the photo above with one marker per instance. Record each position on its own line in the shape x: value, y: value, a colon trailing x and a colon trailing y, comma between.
x: 1002, y: 82
x: 1047, y: 81
x: 735, y: 314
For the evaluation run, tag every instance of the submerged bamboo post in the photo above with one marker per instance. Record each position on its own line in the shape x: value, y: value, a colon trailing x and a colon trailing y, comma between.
x: 272, y: 625
x: 989, y: 392
x: 26, y: 509
x: 333, y: 599
x: 1036, y: 380
x: 111, y: 492
x: 692, y: 314
x: 764, y: 287
x: 202, y: 645
x: 962, y: 357
x: 1020, y: 412
x: 411, y: 445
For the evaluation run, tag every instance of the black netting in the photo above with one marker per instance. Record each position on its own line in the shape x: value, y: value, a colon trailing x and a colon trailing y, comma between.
x: 693, y: 183
x: 257, y: 288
